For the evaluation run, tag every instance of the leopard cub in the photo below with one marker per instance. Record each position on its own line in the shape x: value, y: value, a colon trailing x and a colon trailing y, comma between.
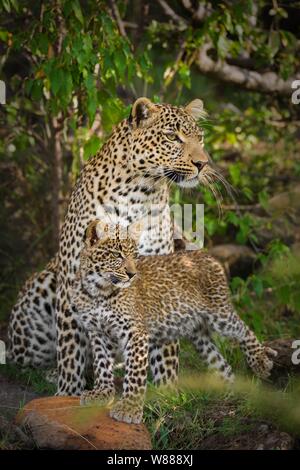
x: 130, y: 305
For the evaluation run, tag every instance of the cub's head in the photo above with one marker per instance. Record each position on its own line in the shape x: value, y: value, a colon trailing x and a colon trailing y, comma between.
x: 168, y: 143
x: 108, y: 257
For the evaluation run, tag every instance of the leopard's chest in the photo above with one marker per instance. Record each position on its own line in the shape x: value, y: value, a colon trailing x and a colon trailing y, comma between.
x: 151, y: 209
x: 105, y: 317
x: 100, y: 195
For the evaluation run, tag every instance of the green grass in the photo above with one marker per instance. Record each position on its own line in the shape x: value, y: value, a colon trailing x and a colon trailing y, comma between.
x: 184, y: 420
x: 203, y: 408
x: 33, y: 378
x: 177, y: 421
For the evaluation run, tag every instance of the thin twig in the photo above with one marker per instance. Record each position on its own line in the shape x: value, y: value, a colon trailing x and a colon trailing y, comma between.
x: 118, y: 18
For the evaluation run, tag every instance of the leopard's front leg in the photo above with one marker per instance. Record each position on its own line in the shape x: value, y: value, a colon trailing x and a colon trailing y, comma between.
x: 130, y: 407
x: 103, y: 391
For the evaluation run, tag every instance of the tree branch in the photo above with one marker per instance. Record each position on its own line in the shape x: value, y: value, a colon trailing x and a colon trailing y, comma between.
x: 172, y: 14
x: 117, y: 16
x: 199, y: 14
x: 266, y: 82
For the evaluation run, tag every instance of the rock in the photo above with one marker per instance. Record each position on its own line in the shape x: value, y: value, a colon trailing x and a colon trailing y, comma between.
x: 283, y: 365
x: 283, y: 218
x: 61, y: 423
x: 281, y: 227
x: 238, y: 260
x: 277, y: 440
x: 285, y: 203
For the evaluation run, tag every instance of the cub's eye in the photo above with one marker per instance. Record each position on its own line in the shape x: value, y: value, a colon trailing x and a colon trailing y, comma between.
x: 118, y: 260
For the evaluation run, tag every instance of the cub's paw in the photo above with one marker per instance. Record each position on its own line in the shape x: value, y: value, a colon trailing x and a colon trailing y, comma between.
x: 127, y: 411
x: 99, y: 397
x: 262, y: 362
x: 227, y: 375
x: 51, y: 375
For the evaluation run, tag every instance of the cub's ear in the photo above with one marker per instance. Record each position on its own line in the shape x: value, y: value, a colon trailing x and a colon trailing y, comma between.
x: 96, y: 230
x: 196, y: 109
x: 141, y: 113
x: 135, y: 230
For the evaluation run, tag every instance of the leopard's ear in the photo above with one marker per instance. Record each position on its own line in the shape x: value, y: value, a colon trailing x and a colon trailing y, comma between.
x: 196, y: 109
x: 142, y: 112
x: 135, y: 230
x: 96, y: 230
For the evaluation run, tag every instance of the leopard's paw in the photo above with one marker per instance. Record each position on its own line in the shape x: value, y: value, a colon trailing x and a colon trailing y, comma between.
x: 51, y: 375
x: 127, y: 411
x: 262, y: 363
x: 228, y: 376
x: 99, y: 397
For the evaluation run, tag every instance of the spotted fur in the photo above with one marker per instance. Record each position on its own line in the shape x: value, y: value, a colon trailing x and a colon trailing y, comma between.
x: 133, y: 305
x: 32, y: 330
x: 157, y: 145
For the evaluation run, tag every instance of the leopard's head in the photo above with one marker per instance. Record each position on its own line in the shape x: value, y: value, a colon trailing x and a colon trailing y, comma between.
x: 108, y: 256
x: 168, y: 143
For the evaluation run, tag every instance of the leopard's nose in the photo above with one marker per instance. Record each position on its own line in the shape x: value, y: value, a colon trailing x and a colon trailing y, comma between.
x: 199, y: 165
x: 130, y: 274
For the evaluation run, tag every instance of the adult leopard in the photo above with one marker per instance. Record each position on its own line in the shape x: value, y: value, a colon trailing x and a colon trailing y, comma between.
x: 127, y: 178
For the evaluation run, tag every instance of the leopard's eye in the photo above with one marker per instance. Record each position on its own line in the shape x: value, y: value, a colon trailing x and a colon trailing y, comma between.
x: 172, y: 137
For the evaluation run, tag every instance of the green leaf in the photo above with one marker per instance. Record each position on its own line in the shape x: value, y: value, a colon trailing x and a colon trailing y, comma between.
x: 296, y: 300
x: 274, y: 42
x: 3, y: 35
x: 56, y: 77
x: 210, y: 226
x: 42, y: 43
x: 258, y: 285
x: 232, y: 218
x: 6, y: 5
x: 36, y: 90
x: 92, y: 101
x: 235, y: 173
x: 284, y: 294
x: 91, y: 147
x: 228, y: 21
x: 222, y: 46
x: 185, y: 75
x: 248, y: 193
x: 120, y: 62
x: 77, y: 11
x: 263, y: 199
x: 66, y: 87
